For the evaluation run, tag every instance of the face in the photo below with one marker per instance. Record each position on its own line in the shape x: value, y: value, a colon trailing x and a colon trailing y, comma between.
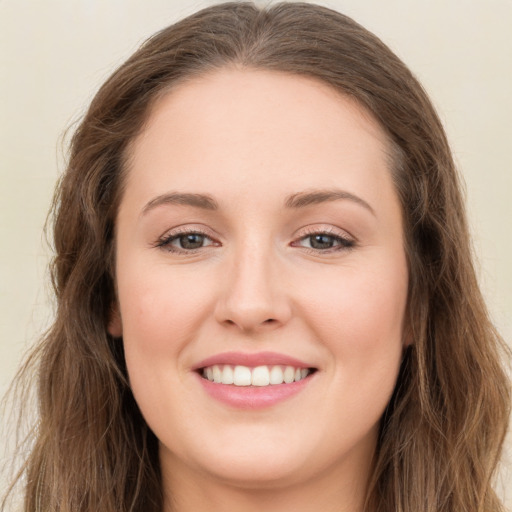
x: 261, y: 278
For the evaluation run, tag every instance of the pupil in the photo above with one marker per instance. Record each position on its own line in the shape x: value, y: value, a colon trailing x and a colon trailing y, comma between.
x: 191, y: 241
x: 321, y: 241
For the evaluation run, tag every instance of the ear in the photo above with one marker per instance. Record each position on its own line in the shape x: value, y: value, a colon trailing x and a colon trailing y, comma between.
x: 115, y: 325
x: 408, y: 341
x: 407, y: 336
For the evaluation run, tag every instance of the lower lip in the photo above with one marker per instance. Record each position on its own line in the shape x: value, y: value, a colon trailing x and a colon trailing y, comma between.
x: 253, y: 397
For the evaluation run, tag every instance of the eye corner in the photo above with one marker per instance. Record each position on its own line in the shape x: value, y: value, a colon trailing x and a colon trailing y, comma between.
x: 167, y: 241
x: 334, y: 240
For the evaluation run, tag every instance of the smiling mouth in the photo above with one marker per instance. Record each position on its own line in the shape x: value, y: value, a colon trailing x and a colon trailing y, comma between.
x: 259, y: 376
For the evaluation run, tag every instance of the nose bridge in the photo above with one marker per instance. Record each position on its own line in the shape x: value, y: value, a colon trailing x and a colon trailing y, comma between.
x: 253, y: 295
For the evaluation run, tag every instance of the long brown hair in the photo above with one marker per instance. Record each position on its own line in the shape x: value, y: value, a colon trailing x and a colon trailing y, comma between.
x: 442, y: 433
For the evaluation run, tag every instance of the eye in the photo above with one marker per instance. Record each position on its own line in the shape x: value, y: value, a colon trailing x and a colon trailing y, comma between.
x: 324, y: 242
x: 189, y: 241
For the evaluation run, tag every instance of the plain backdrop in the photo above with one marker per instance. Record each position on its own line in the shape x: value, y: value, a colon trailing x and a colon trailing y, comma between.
x: 55, y: 54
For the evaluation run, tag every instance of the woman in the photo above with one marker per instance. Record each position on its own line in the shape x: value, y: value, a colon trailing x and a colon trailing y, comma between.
x: 266, y: 299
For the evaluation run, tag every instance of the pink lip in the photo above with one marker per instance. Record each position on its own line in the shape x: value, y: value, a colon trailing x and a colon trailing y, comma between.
x: 252, y: 397
x: 252, y: 360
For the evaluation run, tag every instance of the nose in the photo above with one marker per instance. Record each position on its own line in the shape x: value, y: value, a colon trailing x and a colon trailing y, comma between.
x: 254, y: 296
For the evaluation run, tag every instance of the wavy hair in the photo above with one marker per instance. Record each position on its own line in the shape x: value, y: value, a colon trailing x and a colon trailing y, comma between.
x: 441, y: 436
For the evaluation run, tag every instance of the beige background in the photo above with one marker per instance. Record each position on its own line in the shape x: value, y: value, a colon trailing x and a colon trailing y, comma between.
x: 54, y: 54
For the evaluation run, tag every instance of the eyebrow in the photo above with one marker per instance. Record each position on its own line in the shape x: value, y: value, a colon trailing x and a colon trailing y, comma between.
x: 188, y: 199
x: 308, y: 198
x: 295, y: 201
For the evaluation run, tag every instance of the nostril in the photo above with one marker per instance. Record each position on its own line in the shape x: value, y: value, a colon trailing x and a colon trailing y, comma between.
x: 251, y: 322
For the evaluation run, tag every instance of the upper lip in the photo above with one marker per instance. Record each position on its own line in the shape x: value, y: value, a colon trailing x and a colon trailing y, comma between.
x: 252, y: 360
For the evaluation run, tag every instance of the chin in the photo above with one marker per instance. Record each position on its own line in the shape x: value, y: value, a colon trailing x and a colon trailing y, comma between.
x: 269, y: 473
x: 249, y: 461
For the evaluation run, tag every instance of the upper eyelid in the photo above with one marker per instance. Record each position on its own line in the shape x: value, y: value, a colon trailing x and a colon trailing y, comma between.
x: 165, y: 242
x: 328, y: 230
x: 308, y: 230
x: 303, y: 233
x: 345, y: 241
x: 179, y: 230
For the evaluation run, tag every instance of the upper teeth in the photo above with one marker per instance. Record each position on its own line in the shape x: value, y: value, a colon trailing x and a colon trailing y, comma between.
x: 258, y: 376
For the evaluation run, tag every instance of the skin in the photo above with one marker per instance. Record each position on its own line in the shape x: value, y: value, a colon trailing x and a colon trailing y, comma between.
x: 250, y: 140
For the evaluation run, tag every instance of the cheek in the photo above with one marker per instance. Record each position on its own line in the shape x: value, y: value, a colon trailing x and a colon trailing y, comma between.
x: 160, y: 310
x: 359, y: 313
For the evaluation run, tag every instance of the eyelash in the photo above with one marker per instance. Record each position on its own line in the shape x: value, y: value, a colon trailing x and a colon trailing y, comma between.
x: 343, y: 243
x: 166, y: 241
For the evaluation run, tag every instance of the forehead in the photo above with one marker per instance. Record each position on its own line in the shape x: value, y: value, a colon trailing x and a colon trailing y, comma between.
x: 242, y: 126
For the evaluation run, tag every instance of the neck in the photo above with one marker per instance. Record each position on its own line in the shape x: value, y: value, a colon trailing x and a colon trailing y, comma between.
x: 340, y: 489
